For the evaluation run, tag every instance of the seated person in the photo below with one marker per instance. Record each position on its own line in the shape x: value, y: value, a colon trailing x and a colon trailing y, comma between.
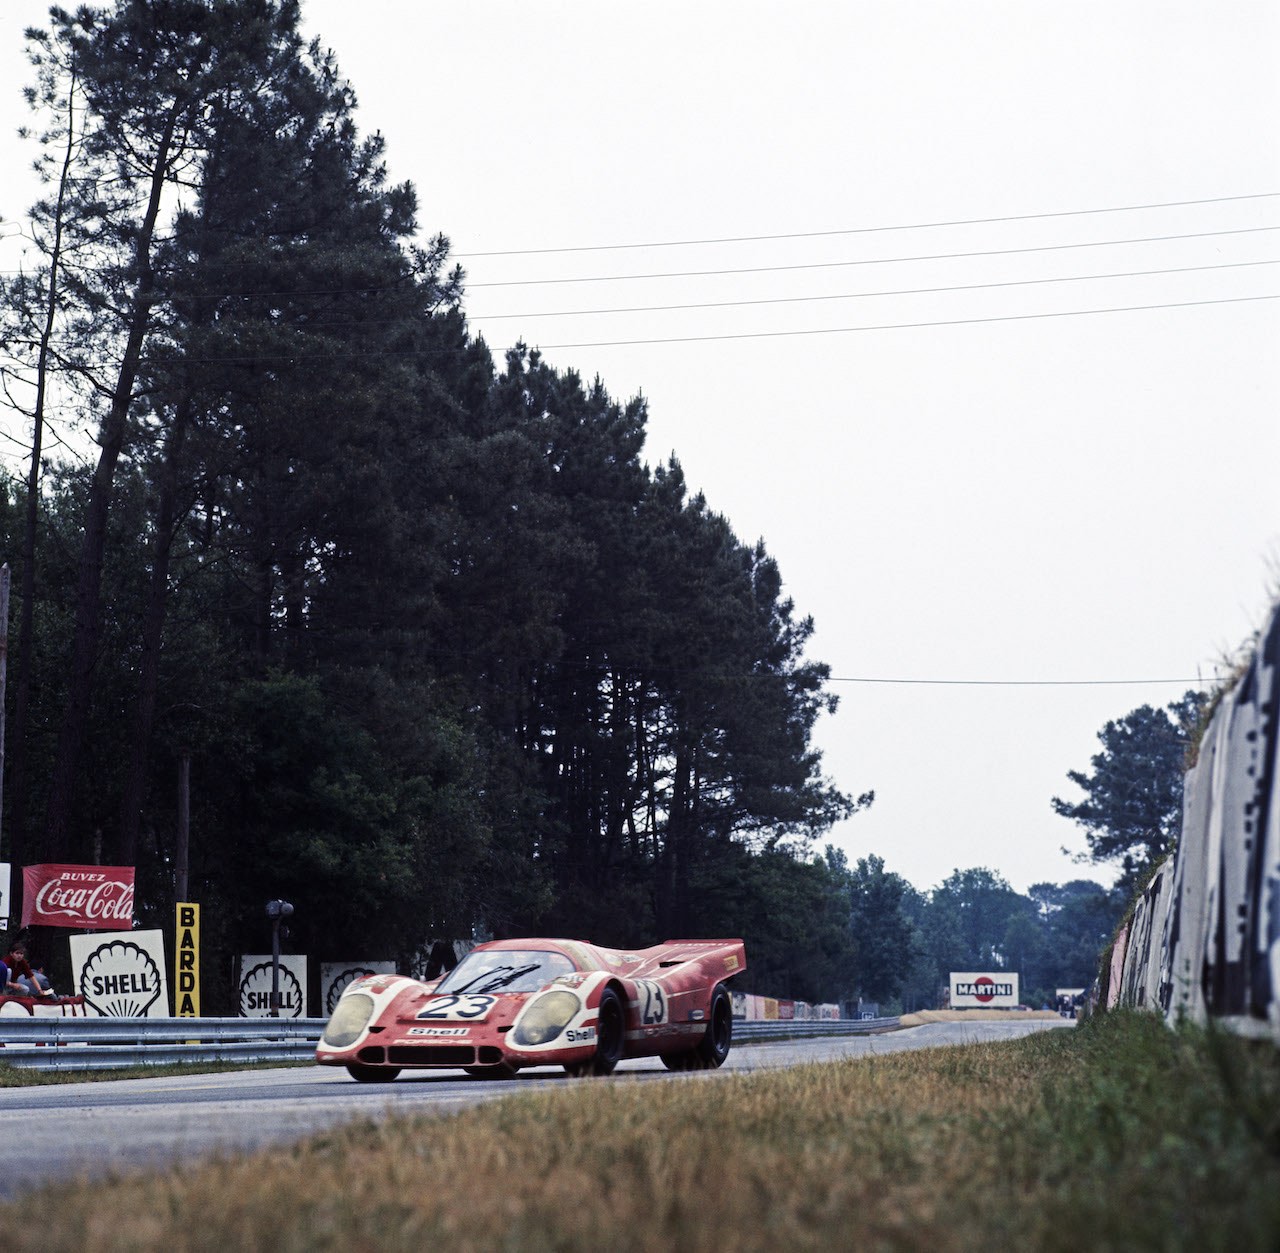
x: 7, y: 985
x: 22, y: 976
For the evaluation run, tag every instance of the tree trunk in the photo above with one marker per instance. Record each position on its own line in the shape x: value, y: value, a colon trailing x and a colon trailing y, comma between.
x: 135, y: 789
x: 89, y: 587
x: 27, y: 594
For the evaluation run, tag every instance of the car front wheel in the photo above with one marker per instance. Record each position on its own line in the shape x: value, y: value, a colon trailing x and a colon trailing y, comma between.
x: 371, y: 1074
x: 611, y: 1027
x: 501, y: 1071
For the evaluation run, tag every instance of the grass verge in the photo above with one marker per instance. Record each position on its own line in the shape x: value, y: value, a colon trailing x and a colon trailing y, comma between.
x: 1118, y: 1135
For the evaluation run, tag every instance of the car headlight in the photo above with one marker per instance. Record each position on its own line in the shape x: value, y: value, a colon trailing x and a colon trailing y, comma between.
x: 349, y: 1019
x: 546, y: 1017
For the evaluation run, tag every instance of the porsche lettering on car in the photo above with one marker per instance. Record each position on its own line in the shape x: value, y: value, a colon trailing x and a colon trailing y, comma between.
x: 512, y: 1004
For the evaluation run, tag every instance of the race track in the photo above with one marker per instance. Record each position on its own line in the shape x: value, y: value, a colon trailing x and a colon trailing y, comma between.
x: 99, y: 1129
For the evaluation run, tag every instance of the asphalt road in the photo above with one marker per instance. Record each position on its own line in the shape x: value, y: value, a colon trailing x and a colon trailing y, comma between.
x: 100, y: 1129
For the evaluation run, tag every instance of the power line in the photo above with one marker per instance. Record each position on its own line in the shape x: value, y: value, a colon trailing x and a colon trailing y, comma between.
x: 865, y: 230
x: 908, y: 291
x: 827, y: 265
x: 256, y: 358
x: 905, y: 326
x: 1197, y: 682
x: 362, y: 323
x: 399, y: 282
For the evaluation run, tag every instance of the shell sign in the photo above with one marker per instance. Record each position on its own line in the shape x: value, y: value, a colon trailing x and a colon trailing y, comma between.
x: 121, y: 975
x: 995, y: 989
x: 255, y: 986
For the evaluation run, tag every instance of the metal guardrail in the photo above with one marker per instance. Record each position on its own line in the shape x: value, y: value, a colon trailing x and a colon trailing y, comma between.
x: 805, y: 1028
x: 112, y: 1043
x: 115, y: 1043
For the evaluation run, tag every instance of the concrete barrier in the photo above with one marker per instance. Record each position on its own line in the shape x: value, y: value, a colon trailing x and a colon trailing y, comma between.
x: 1204, y: 939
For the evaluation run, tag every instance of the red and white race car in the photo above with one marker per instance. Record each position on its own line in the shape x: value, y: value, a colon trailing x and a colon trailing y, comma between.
x: 516, y: 1003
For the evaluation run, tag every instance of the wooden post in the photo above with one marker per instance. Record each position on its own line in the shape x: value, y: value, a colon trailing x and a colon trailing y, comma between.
x: 184, y: 825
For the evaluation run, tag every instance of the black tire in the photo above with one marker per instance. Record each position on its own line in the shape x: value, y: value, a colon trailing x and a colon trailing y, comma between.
x: 714, y: 1046
x: 372, y: 1074
x: 611, y: 1037
x: 500, y: 1071
x: 677, y: 1061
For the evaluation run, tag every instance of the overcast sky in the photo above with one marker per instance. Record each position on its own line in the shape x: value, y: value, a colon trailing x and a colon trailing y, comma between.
x: 992, y: 513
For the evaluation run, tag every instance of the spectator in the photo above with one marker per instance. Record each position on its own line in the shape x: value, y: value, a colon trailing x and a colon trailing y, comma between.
x: 7, y: 985
x: 22, y: 976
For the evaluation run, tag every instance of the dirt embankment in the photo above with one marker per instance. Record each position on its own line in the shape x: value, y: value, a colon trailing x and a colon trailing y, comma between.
x: 972, y: 1015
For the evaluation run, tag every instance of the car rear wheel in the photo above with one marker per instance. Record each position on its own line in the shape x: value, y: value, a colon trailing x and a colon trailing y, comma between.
x: 713, y: 1046
x: 611, y: 1030
x: 372, y: 1074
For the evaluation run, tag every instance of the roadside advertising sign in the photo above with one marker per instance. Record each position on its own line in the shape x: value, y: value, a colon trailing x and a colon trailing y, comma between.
x: 335, y: 977
x: 187, y: 960
x: 255, y: 986
x: 121, y: 975
x: 983, y: 989
x: 90, y: 898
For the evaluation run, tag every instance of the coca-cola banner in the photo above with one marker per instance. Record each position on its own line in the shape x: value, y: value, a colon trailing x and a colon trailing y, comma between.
x: 94, y: 898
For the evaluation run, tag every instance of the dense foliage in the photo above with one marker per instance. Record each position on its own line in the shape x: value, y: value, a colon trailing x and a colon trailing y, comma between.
x: 1132, y: 806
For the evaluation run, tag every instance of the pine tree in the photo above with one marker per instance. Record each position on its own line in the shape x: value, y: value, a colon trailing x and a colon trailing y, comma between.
x: 151, y: 79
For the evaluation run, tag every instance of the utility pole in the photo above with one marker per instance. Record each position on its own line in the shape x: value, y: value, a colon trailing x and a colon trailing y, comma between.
x: 184, y: 825
x: 4, y: 678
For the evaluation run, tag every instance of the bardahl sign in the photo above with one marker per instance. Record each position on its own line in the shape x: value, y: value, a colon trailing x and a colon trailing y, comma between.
x: 89, y: 898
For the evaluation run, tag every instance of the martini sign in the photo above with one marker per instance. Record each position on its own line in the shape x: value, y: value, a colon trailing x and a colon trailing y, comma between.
x: 979, y: 989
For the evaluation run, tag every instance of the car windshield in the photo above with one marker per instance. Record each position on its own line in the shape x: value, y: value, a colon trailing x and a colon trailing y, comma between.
x: 505, y: 970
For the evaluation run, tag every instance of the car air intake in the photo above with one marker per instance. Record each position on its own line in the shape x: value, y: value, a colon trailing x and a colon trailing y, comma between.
x: 432, y: 1055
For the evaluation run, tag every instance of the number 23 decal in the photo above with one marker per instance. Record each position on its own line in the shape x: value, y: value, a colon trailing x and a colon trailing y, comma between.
x: 470, y: 1006
x: 653, y: 1003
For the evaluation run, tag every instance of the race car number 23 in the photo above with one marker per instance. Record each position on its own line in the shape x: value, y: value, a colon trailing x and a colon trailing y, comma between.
x: 451, y: 1008
x: 653, y: 1003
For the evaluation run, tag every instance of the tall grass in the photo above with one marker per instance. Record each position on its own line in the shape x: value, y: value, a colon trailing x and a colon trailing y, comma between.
x: 1118, y: 1135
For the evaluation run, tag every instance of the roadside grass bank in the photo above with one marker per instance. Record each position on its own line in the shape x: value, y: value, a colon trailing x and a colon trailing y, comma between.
x: 23, y: 1077
x: 1119, y: 1134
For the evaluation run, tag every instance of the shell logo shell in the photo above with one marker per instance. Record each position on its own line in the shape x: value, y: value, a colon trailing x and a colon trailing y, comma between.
x: 342, y: 983
x: 120, y: 980
x: 255, y: 992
